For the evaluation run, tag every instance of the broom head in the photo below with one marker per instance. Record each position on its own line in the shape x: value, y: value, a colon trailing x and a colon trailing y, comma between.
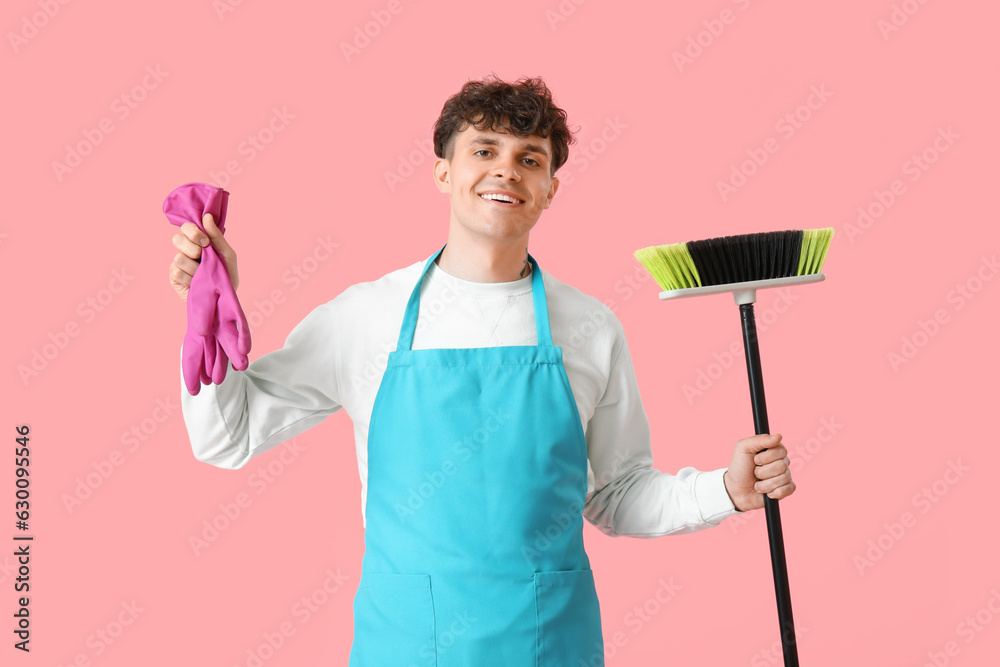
x: 735, y: 263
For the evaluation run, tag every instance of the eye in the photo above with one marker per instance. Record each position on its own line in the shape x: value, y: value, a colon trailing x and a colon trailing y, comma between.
x: 481, y: 150
x: 530, y: 160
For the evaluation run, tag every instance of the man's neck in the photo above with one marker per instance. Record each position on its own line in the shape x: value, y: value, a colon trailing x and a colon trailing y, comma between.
x: 481, y: 263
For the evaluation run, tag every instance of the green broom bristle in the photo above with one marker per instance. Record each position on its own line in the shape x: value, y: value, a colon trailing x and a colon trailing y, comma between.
x: 670, y: 265
x: 815, y: 243
x: 734, y: 259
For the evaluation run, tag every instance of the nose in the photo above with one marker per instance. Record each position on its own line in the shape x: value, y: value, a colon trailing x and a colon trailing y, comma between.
x: 507, y: 169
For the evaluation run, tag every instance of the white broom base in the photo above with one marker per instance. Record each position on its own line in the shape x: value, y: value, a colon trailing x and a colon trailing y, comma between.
x: 745, y: 292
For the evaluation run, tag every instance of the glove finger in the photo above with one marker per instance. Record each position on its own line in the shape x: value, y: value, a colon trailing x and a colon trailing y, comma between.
x: 233, y: 329
x: 221, y: 365
x: 192, y: 362
x: 243, y: 344
x: 211, y: 351
x: 234, y: 341
x: 203, y: 294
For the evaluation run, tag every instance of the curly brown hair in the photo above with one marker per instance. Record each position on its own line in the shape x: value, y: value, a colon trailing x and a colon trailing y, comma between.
x: 522, y: 108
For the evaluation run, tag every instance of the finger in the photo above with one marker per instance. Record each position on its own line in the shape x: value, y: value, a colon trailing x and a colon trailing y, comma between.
x: 754, y: 444
x: 186, y: 245
x: 195, y: 234
x: 773, y: 453
x: 782, y: 491
x: 769, y: 485
x: 183, y: 268
x: 771, y: 469
x: 218, y: 240
x: 178, y: 277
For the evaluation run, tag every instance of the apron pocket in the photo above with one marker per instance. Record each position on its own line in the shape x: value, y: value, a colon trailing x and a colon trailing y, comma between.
x: 569, y: 619
x: 393, y: 621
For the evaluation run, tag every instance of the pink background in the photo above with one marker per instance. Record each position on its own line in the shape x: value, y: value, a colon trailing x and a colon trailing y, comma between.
x: 671, y: 132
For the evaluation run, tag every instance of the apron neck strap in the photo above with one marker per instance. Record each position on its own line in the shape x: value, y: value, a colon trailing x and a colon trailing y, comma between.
x: 538, y: 297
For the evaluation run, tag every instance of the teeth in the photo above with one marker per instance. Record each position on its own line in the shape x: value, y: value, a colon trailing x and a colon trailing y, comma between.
x: 504, y: 198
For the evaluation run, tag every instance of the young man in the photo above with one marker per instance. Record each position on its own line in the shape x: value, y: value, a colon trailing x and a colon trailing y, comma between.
x: 487, y: 436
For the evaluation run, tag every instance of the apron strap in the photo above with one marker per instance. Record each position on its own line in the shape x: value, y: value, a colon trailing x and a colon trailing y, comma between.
x: 542, y: 329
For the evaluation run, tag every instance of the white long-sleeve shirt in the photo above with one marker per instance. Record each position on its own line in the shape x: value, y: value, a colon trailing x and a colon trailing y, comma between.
x: 335, y: 357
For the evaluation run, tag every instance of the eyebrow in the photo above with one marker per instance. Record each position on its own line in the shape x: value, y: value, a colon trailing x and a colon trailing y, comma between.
x: 490, y: 141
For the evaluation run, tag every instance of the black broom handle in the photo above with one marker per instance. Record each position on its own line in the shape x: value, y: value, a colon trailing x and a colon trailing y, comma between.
x: 771, y: 512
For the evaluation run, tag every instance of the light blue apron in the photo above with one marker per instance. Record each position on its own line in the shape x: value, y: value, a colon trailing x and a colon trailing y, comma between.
x: 477, y: 473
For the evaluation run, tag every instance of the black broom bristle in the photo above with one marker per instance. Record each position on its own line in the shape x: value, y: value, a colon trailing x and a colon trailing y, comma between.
x: 736, y: 259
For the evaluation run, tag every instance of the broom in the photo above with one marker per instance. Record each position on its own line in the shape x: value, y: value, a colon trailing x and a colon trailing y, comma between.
x: 742, y: 265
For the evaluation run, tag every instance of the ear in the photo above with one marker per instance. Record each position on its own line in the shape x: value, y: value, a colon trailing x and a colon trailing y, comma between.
x: 442, y: 178
x: 553, y: 186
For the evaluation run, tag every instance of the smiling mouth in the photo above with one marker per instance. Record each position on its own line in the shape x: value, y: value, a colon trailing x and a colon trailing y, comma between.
x: 502, y: 200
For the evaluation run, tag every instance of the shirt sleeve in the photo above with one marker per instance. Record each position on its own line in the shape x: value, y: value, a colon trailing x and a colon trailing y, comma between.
x: 279, y: 395
x: 630, y: 497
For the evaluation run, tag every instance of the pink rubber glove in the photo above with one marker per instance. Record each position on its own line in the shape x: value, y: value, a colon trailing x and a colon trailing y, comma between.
x: 217, y: 330
x: 212, y: 336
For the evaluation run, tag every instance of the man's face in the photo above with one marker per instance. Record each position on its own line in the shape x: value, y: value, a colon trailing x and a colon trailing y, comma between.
x: 488, y: 162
